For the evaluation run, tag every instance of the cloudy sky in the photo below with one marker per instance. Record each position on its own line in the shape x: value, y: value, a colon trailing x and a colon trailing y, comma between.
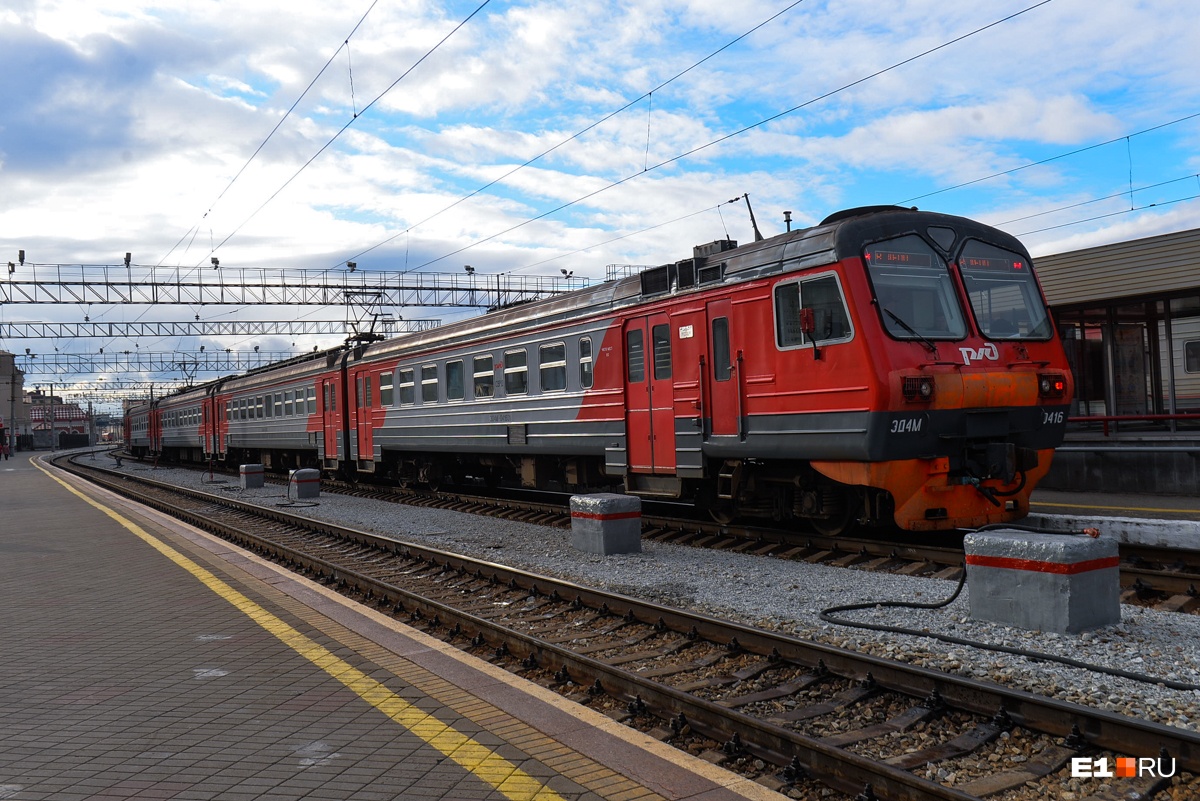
x: 393, y: 133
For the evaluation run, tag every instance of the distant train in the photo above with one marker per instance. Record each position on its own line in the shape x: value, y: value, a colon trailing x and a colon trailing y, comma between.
x: 886, y: 366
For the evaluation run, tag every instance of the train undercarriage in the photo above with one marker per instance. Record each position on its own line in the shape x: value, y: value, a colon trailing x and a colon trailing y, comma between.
x: 778, y: 491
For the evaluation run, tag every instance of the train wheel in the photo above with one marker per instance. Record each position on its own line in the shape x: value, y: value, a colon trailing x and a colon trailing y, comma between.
x: 840, y: 502
x: 724, y: 512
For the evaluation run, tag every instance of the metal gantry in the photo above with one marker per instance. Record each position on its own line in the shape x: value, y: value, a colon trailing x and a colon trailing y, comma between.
x: 194, y: 286
x: 62, y: 364
x: 203, y: 328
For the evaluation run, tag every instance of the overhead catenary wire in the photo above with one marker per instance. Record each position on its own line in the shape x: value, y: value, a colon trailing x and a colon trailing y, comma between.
x: 352, y: 120
x: 590, y: 127
x: 286, y: 115
x: 740, y: 131
x: 1040, y: 162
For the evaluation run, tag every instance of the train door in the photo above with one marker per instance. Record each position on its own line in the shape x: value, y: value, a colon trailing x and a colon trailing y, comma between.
x: 722, y: 374
x: 156, y: 435
x: 363, y: 403
x: 330, y: 422
x: 649, y: 395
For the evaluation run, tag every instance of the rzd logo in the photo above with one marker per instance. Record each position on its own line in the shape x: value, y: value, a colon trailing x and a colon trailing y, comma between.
x: 988, y: 351
x: 1126, y: 768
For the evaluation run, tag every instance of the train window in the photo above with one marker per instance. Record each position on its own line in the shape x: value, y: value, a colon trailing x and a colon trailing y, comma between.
x: 552, y: 366
x: 821, y: 294
x: 516, y: 372
x: 913, y: 290
x: 270, y: 408
x: 635, y: 355
x: 429, y: 383
x: 367, y: 402
x: 407, y: 387
x: 228, y: 411
x: 1191, y: 356
x: 660, y: 336
x: 279, y: 404
x: 720, y: 352
x: 312, y: 400
x: 585, y: 363
x: 385, y: 389
x: 455, y: 385
x: 289, y: 403
x: 485, y: 376
x: 1003, y: 292
x: 258, y: 408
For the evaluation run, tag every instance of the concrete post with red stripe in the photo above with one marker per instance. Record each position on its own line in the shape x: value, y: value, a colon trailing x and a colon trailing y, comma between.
x: 252, y: 476
x: 305, y: 483
x: 1065, y: 583
x: 606, y: 523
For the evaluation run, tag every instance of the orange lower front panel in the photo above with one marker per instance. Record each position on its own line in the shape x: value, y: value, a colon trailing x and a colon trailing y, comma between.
x: 926, y: 499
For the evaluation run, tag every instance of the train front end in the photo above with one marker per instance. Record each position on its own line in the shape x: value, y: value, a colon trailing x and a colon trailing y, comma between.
x: 973, y: 383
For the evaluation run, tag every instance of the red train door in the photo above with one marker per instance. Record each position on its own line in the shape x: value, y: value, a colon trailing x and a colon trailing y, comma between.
x: 649, y: 395
x: 363, y: 403
x: 330, y: 424
x: 722, y: 374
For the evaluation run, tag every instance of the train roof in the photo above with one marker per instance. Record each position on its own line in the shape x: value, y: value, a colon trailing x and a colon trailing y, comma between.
x: 721, y: 262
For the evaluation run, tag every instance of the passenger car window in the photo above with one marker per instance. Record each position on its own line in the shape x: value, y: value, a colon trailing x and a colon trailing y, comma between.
x: 585, y: 363
x: 516, y: 372
x: 386, y: 394
x: 429, y: 383
x: 407, y: 387
x: 552, y: 365
x: 484, y: 376
x: 455, y: 387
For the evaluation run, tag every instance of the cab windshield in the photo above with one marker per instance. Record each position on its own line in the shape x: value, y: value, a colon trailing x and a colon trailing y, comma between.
x: 1003, y: 293
x: 915, y: 293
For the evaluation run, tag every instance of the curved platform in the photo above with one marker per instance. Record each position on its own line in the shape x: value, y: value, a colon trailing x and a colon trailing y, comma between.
x: 145, y: 659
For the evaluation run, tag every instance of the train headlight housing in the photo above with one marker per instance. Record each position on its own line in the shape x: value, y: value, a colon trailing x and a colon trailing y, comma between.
x: 1052, y: 385
x: 918, y: 388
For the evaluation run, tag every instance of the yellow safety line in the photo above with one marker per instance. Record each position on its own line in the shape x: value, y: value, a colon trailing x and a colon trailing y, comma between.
x: 1115, y: 508
x: 478, y: 759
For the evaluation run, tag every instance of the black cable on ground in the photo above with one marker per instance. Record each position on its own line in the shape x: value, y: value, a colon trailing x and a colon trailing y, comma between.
x: 827, y: 615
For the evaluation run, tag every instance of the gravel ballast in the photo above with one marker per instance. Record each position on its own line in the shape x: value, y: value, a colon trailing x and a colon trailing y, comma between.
x: 789, y: 596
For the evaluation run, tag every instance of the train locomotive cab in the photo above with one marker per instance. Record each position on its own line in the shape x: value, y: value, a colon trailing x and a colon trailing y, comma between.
x: 971, y: 383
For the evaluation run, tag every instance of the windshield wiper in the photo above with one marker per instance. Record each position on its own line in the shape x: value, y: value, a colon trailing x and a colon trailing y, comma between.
x: 932, y: 347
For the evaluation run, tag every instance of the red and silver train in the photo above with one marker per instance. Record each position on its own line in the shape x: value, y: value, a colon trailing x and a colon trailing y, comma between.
x: 886, y: 366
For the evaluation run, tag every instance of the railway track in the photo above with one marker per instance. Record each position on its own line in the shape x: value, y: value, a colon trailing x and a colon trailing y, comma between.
x: 1167, y: 579
x: 808, y: 720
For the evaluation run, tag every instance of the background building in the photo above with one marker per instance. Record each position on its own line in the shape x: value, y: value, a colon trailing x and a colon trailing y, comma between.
x: 14, y: 417
x: 1129, y: 315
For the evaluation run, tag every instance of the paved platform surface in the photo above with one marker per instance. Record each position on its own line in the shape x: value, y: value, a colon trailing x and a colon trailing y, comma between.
x: 143, y: 659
